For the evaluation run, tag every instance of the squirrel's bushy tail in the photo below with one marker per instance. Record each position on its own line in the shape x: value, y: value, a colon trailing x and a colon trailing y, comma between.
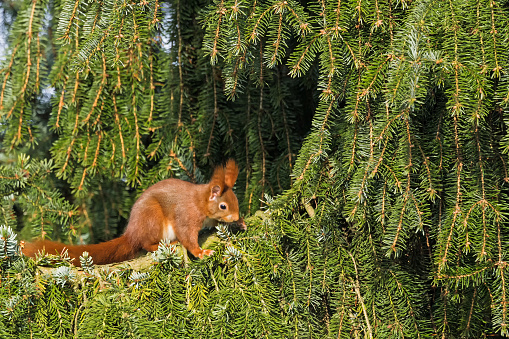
x: 116, y: 250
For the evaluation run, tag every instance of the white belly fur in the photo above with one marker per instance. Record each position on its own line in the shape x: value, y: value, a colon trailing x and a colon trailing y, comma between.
x: 169, y: 233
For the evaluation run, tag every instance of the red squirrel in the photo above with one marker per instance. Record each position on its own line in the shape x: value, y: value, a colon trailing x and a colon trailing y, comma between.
x: 171, y: 209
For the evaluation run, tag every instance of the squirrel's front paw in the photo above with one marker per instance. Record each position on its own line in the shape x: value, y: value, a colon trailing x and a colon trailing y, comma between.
x: 205, y: 253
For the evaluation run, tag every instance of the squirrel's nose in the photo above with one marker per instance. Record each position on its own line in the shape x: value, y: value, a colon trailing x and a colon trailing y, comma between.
x: 232, y: 217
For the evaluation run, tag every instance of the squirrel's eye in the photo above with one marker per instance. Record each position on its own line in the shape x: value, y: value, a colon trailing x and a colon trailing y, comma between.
x: 222, y: 206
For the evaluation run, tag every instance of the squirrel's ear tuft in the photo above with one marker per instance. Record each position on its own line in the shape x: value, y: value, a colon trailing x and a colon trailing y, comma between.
x: 231, y: 173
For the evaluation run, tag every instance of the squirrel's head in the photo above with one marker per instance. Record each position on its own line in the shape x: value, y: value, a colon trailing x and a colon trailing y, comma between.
x: 223, y: 204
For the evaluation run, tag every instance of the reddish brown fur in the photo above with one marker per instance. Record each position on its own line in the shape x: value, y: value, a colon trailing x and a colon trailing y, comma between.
x: 179, y: 203
x: 101, y: 253
x: 231, y: 173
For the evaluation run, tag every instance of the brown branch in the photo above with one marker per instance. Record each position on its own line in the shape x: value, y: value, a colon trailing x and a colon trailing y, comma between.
x: 80, y: 187
x: 99, y: 91
x: 7, y: 73
x: 215, y: 115
x: 65, y: 36
x: 179, y: 57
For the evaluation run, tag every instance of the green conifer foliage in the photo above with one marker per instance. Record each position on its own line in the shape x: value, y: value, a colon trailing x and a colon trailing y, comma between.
x: 404, y: 169
x: 380, y: 124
